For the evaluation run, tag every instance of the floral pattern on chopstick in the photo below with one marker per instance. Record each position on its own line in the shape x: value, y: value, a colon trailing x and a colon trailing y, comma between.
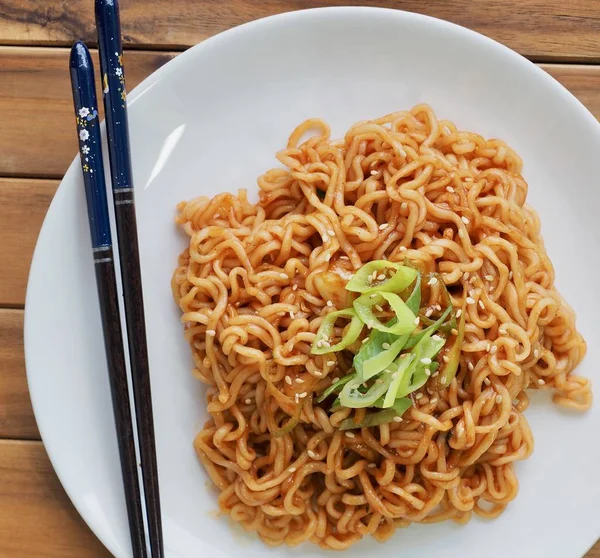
x: 119, y: 72
x: 83, y: 117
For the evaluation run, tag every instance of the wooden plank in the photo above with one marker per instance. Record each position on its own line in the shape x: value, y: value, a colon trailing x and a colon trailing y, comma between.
x: 582, y: 81
x: 37, y: 518
x: 16, y: 414
x: 23, y: 205
x: 37, y: 136
x: 540, y: 29
x: 35, y: 104
x: 37, y: 514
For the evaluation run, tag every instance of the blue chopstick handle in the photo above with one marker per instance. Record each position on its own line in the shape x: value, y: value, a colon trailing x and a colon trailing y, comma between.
x: 90, y: 143
x: 113, y: 89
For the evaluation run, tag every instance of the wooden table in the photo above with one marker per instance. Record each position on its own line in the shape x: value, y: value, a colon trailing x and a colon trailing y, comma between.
x: 37, y: 142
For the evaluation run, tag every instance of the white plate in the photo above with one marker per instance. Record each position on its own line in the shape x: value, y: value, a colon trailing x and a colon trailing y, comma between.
x: 211, y: 120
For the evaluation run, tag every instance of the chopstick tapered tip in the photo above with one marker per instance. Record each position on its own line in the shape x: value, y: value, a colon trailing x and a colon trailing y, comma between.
x: 80, y: 56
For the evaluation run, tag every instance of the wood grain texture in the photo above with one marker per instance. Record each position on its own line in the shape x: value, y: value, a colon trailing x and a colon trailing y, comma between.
x: 35, y: 81
x: 23, y: 205
x: 37, y: 520
x: 37, y: 136
x: 543, y: 30
x: 16, y: 414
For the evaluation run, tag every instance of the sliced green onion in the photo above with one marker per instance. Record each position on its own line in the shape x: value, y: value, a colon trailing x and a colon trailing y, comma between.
x: 335, y: 387
x: 402, y: 365
x: 454, y: 354
x: 322, y: 343
x: 405, y: 318
x: 352, y: 397
x: 376, y: 358
x: 363, y: 281
x: 414, y: 339
x: 380, y: 417
x: 416, y: 376
x: 372, y: 357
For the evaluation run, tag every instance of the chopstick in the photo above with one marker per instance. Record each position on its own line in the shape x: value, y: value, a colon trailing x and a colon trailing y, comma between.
x: 113, y: 84
x: 90, y: 151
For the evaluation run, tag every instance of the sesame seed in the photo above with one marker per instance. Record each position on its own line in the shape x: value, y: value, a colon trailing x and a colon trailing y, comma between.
x: 378, y: 308
x: 331, y: 233
x: 327, y: 257
x: 299, y: 380
x: 489, y: 277
x: 350, y: 434
x: 449, y: 189
x: 364, y: 340
x: 311, y: 453
x: 381, y: 277
x: 461, y: 234
x: 416, y: 322
x: 403, y: 248
x: 454, y: 331
x: 288, y: 380
x: 329, y: 303
x: 402, y: 153
x: 502, y: 331
x: 427, y: 372
x: 487, y: 381
x: 318, y: 374
x: 432, y: 281
x: 466, y: 275
x: 383, y: 226
x: 373, y: 172
x: 536, y: 353
x: 510, y: 275
x: 494, y: 350
x: 470, y: 300
x: 211, y: 332
x: 465, y: 220
x: 541, y: 382
x: 488, y: 348
x: 325, y: 238
x: 302, y: 395
x: 325, y: 343
x: 435, y: 374
x: 396, y: 419
x: 385, y: 346
x: 473, y: 279
x: 438, y: 307
x: 331, y: 363
x: 403, y: 205
x: 425, y: 360
x: 498, y: 399
x: 292, y: 469
x: 470, y: 366
x: 481, y: 305
x: 248, y: 401
x: 373, y: 465
x: 344, y: 257
x: 295, y: 288
x: 296, y: 398
x: 418, y: 396
x: 334, y: 380
x: 428, y: 312
x: 459, y: 313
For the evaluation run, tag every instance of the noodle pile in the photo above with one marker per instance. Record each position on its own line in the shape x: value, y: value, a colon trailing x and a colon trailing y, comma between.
x: 257, y: 280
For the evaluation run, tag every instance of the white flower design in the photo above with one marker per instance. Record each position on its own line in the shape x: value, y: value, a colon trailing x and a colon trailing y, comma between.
x: 119, y: 72
x: 84, y: 111
x: 83, y: 135
x: 85, y: 149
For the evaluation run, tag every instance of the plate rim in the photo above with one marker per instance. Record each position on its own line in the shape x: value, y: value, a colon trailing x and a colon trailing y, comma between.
x: 171, y: 66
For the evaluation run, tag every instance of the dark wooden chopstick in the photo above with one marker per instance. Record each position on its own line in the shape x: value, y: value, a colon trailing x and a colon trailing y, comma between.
x: 90, y: 150
x: 113, y: 83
